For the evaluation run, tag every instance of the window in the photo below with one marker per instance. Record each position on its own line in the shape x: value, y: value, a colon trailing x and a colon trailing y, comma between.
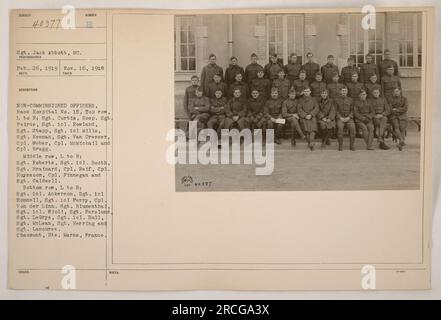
x: 362, y: 42
x: 285, y: 35
x: 410, y: 47
x: 185, y: 45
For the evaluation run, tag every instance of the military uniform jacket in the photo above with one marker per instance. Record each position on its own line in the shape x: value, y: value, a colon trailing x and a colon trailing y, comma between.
x: 334, y: 89
x: 251, y: 71
x: 344, y: 107
x: 370, y: 87
x: 327, y: 71
x: 317, y: 87
x: 400, y: 103
x: 367, y: 70
x: 363, y: 110
x: 272, y: 70
x: 203, y: 103
x: 256, y: 106
x: 207, y: 74
x: 389, y: 83
x: 190, y: 93
x: 386, y: 63
x: 283, y: 86
x: 289, y: 107
x: 262, y: 85
x: 308, y: 105
x: 230, y: 74
x: 236, y: 107
x: 346, y: 73
x: 213, y: 87
x: 380, y: 106
x: 299, y: 86
x: 311, y: 69
x: 273, y: 107
x: 326, y: 109
x: 354, y: 89
x: 218, y: 106
x: 292, y: 71
x: 242, y: 86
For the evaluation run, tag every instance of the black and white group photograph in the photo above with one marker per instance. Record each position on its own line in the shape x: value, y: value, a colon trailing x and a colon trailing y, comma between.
x: 342, y: 96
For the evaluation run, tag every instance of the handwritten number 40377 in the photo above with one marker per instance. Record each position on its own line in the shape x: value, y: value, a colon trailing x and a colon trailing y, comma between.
x: 49, y: 24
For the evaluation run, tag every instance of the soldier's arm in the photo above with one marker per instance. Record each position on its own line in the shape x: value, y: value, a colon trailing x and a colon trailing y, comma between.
x: 331, y: 114
x: 186, y: 97
x: 228, y: 109
x: 316, y: 109
x: 206, y: 106
x: 387, y: 110
x: 285, y: 113
x: 404, y: 107
x: 203, y: 76
x: 302, y: 114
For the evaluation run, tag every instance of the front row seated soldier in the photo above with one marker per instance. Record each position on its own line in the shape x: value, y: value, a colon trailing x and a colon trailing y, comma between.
x: 363, y: 114
x: 344, y: 107
x: 308, y: 109
x: 199, y: 109
x: 398, y: 117
x: 273, y: 114
x: 255, y: 108
x: 236, y: 111
x: 381, y: 111
x: 218, y: 107
x: 290, y: 113
x: 326, y: 117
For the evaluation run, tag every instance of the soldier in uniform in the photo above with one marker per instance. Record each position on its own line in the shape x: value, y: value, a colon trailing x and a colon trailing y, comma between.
x: 255, y: 108
x: 232, y: 70
x: 273, y: 113
x: 386, y: 63
x: 300, y: 84
x: 190, y: 93
x: 252, y: 69
x: 236, y: 111
x: 398, y: 116
x: 363, y: 114
x: 199, y: 109
x: 354, y: 87
x: 335, y: 87
x: 218, y: 107
x: 282, y: 84
x: 263, y: 85
x: 310, y: 67
x: 344, y: 107
x: 326, y: 117
x: 389, y: 82
x: 208, y: 72
x: 290, y: 113
x: 272, y: 68
x: 308, y: 109
x: 217, y: 84
x: 318, y: 86
x: 329, y: 69
x: 239, y: 84
x: 346, y: 72
x: 292, y: 69
x: 381, y: 111
x: 373, y: 85
x: 368, y: 68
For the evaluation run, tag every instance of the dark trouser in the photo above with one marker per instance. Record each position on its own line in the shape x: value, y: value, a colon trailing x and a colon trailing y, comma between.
x: 217, y: 120
x: 241, y: 123
x: 256, y: 121
x: 325, y: 131
x: 294, y: 123
x: 202, y: 119
x: 278, y: 127
x: 340, y: 129
x: 399, y: 126
x: 381, y: 124
x: 368, y: 132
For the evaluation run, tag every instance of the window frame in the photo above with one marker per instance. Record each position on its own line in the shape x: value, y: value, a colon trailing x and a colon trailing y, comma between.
x: 178, y: 43
x: 415, y: 42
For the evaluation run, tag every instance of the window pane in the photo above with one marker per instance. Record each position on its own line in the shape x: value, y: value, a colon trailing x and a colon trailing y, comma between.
x: 183, y: 51
x: 192, y: 64
x: 420, y: 60
x: 191, y: 50
x: 409, y: 47
x: 360, y: 48
x: 191, y: 37
x: 184, y: 65
x: 183, y: 37
x: 410, y: 60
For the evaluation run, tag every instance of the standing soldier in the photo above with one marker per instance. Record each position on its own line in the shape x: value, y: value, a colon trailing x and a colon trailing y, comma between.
x: 346, y: 72
x: 300, y: 84
x: 292, y: 69
x: 273, y: 114
x: 386, y: 63
x: 310, y: 67
x: 308, y: 109
x: 199, y: 109
x: 329, y: 69
x: 217, y: 84
x: 208, y: 72
x: 398, y: 117
x: 239, y: 84
x: 363, y: 118
x: 190, y: 93
x: 263, y: 85
x: 335, y: 87
x: 290, y: 113
x: 381, y: 111
x: 252, y: 69
x: 282, y: 85
x: 236, y: 111
x: 255, y: 108
x: 354, y: 87
x: 272, y: 68
x: 389, y: 82
x: 218, y: 108
x: 344, y: 107
x: 368, y: 68
x: 373, y: 85
x: 326, y: 117
x: 232, y: 70
x: 318, y: 86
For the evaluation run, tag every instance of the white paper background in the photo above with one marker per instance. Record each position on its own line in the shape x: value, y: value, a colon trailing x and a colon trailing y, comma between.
x: 5, y: 293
